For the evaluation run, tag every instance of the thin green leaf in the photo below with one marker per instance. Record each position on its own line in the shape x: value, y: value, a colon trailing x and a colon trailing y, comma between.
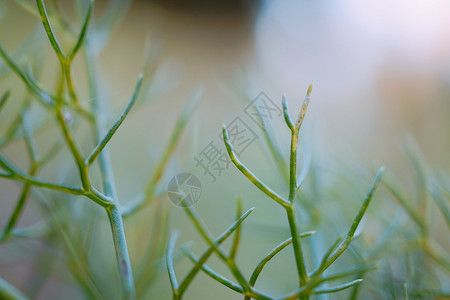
x: 204, y: 257
x: 225, y: 281
x: 274, y: 150
x: 302, y: 113
x: 31, y: 85
x: 351, y: 232
x: 49, y: 30
x: 247, y: 173
x: 10, y: 292
x: 327, y: 254
x: 102, y: 144
x: 169, y: 262
x: 214, y: 275
x: 14, y: 173
x: 439, y: 199
x: 27, y: 48
x: 180, y: 125
x: 237, y: 234
x: 28, y: 136
x: 361, y: 269
x: 271, y: 255
x: 4, y: 98
x: 429, y: 292
x: 337, y: 288
x: 34, y: 231
x: 82, y: 33
x: 287, y: 118
x: 19, y: 207
x: 149, y: 266
x: 402, y: 200
x: 51, y: 153
x: 77, y: 266
x: 437, y: 253
x: 415, y: 159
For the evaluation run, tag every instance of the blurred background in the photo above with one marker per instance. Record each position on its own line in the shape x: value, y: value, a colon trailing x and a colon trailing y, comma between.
x: 381, y: 77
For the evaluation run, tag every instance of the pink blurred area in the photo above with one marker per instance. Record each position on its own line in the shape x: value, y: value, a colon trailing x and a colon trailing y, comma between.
x: 380, y: 68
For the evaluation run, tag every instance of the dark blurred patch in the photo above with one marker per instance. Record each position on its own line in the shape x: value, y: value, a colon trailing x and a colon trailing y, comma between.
x: 240, y: 7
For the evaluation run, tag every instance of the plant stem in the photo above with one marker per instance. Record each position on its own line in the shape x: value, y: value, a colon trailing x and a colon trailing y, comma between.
x: 293, y: 166
x: 8, y: 291
x: 19, y: 206
x: 290, y: 210
x: 74, y: 149
x: 299, y: 259
x: 114, y: 214
x: 120, y: 245
x: 68, y: 75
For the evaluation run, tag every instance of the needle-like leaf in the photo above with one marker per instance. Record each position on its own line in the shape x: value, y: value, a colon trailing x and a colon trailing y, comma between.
x: 169, y: 262
x: 247, y: 173
x: 4, y: 98
x: 102, y: 144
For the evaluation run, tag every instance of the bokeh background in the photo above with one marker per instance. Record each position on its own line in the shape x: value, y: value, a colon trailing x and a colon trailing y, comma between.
x: 381, y: 77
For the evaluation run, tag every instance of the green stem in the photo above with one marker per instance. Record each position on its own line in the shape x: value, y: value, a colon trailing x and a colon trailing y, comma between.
x: 114, y: 214
x: 74, y: 149
x: 10, y: 292
x: 271, y: 255
x: 290, y: 210
x: 299, y: 258
x: 68, y: 76
x: 204, y: 257
x: 247, y: 173
x: 201, y: 228
x: 122, y: 256
x: 19, y: 206
x: 16, y: 174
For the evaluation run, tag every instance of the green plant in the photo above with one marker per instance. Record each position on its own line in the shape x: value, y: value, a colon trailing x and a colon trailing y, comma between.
x: 69, y: 115
x: 309, y: 281
x: 64, y: 122
x: 425, y: 256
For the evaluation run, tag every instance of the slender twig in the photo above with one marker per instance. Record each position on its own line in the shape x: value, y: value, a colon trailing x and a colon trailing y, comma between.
x: 16, y: 174
x: 49, y: 30
x: 169, y: 262
x: 150, y: 188
x: 439, y: 199
x: 247, y: 173
x: 270, y: 255
x: 109, y: 188
x: 204, y: 257
x: 293, y: 187
x: 120, y: 245
x: 402, y: 200
x: 42, y: 95
x: 102, y: 144
x: 201, y: 228
x: 82, y: 34
x: 8, y: 291
x: 4, y: 98
x: 19, y: 207
x: 351, y: 232
x: 253, y: 293
x: 287, y: 118
x: 337, y: 288
x: 237, y: 235
x: 228, y: 283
